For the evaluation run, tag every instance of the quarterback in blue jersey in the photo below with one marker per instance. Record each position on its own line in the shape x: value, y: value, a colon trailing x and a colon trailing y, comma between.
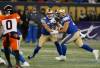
x: 48, y: 32
x: 72, y: 35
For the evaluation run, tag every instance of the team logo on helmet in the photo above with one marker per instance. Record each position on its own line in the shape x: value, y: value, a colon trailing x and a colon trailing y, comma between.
x: 61, y: 11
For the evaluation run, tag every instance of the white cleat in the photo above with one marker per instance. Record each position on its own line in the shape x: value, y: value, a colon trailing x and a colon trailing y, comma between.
x: 61, y: 58
x: 96, y: 54
x: 2, y: 61
x: 25, y: 64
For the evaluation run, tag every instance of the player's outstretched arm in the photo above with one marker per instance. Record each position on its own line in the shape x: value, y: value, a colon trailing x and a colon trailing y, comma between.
x: 64, y: 28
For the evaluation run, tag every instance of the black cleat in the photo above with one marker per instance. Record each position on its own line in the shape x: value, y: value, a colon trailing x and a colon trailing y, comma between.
x: 9, y: 66
x: 30, y: 57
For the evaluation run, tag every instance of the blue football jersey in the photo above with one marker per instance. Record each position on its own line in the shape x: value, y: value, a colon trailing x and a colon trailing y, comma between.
x: 72, y: 28
x: 50, y: 22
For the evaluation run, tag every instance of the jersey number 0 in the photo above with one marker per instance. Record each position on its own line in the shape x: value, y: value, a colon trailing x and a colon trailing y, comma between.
x: 8, y: 24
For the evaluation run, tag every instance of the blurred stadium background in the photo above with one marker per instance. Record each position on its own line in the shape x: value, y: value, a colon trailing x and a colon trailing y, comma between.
x: 85, y: 13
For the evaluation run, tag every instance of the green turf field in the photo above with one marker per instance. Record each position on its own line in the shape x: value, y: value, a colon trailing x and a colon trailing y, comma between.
x: 76, y: 57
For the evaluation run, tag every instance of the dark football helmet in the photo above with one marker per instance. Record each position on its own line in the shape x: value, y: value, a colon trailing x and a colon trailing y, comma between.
x: 8, y: 9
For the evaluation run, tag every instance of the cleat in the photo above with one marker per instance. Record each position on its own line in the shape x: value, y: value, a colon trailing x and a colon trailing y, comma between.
x: 9, y: 66
x: 61, y: 58
x: 25, y: 64
x: 96, y: 54
x: 18, y: 66
x: 2, y: 61
x: 30, y: 57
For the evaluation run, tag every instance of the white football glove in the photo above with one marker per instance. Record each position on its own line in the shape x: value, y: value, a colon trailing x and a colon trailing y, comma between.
x: 82, y: 35
x: 54, y: 32
x: 2, y: 61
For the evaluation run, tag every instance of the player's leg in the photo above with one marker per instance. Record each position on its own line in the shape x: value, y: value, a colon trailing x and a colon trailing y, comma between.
x: 69, y: 38
x: 15, y: 48
x: 55, y: 40
x: 63, y: 43
x: 21, y: 58
x: 17, y: 57
x: 41, y: 42
x: 64, y: 46
x: 7, y: 55
x: 87, y: 47
x: 80, y: 43
x: 6, y: 44
x: 77, y: 39
x: 59, y: 49
x: 62, y: 56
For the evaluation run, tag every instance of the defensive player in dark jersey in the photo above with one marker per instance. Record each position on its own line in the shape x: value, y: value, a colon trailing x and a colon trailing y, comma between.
x: 10, y: 38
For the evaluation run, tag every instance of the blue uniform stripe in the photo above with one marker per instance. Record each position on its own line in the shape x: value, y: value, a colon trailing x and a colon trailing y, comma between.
x: 67, y: 38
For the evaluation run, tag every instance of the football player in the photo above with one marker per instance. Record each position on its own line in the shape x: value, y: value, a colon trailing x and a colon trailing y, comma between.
x: 21, y: 58
x: 72, y: 35
x: 10, y: 38
x: 49, y: 32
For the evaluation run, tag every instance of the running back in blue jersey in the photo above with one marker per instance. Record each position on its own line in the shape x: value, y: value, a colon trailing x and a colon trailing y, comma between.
x: 72, y: 27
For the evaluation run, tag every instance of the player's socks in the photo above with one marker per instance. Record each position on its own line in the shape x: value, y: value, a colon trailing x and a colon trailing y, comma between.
x: 64, y: 49
x: 7, y: 54
x: 21, y: 58
x: 62, y: 57
x: 59, y: 49
x: 36, y: 50
x: 86, y: 47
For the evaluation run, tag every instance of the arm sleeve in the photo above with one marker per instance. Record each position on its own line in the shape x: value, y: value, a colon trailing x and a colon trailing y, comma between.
x: 43, y: 21
x: 66, y: 19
